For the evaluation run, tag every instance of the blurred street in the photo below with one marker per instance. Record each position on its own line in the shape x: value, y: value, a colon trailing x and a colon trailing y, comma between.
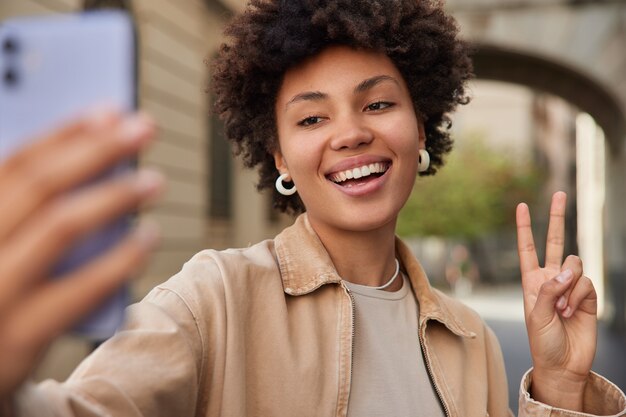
x: 548, y: 113
x: 502, y: 309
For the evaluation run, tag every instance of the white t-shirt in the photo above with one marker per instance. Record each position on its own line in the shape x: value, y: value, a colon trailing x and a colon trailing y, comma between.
x: 389, y: 377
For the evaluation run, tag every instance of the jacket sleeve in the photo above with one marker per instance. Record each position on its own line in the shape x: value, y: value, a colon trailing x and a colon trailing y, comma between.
x: 601, y: 398
x: 150, y: 368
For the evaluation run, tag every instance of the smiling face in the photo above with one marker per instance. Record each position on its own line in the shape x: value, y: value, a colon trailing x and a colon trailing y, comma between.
x: 349, y: 138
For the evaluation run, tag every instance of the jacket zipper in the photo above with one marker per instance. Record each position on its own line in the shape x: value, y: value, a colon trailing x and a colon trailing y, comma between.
x: 429, y: 369
x: 351, y: 344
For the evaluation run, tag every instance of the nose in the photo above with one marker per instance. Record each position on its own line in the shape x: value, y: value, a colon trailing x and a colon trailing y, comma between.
x: 351, y: 133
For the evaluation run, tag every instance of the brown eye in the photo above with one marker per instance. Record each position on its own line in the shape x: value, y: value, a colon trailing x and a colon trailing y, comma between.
x: 311, y: 120
x: 379, y: 105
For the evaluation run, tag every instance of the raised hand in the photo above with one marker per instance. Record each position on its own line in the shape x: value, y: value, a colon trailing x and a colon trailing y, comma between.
x: 39, y: 219
x: 560, y: 306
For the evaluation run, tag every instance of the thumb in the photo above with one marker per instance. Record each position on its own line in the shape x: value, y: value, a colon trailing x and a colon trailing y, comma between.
x: 549, y: 293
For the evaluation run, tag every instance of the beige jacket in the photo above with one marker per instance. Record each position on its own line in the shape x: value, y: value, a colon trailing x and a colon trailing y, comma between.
x: 267, y: 331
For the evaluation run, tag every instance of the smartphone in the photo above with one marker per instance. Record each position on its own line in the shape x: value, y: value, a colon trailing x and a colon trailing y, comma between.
x: 53, y: 70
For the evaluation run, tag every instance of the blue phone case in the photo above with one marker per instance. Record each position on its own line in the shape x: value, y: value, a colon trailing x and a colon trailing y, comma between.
x: 53, y: 70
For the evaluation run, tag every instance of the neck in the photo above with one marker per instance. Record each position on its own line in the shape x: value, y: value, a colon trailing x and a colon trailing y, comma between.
x: 364, y: 258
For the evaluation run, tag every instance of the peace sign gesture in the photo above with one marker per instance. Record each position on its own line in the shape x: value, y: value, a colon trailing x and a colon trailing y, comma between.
x: 560, y: 307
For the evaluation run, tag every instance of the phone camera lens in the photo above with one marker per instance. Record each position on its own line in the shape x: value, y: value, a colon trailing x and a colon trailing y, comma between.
x: 9, y: 46
x: 10, y: 77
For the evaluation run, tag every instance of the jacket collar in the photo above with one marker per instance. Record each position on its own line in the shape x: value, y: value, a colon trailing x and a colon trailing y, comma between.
x: 304, y: 263
x: 305, y: 266
x: 431, y: 304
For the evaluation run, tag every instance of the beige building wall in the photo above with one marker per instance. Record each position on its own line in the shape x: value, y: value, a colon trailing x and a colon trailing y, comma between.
x: 176, y: 38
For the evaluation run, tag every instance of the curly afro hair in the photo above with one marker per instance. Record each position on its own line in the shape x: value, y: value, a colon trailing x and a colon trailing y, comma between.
x: 271, y: 36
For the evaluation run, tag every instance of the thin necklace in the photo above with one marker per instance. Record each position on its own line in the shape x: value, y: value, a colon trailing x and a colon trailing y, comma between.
x: 393, y: 278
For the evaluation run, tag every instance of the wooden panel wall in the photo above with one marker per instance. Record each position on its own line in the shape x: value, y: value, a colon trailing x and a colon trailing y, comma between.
x: 176, y: 39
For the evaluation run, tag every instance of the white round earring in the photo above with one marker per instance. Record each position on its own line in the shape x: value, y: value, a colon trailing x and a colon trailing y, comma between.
x: 424, y: 160
x: 281, y: 188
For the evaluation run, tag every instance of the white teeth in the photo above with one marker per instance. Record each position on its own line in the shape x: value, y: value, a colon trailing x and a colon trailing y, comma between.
x: 359, y: 172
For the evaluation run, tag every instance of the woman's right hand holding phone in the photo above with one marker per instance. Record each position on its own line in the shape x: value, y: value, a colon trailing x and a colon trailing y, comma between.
x: 40, y: 218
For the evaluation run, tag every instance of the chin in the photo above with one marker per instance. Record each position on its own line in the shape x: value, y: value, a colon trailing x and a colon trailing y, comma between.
x: 368, y: 222
x: 359, y: 217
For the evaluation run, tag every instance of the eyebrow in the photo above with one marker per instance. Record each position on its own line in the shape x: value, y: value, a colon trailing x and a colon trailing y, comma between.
x: 371, y: 82
x: 363, y: 86
x: 307, y: 96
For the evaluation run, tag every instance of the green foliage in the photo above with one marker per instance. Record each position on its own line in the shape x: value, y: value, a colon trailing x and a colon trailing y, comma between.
x: 474, y: 193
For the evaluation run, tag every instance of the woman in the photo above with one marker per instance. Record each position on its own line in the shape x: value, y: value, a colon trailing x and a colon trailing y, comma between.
x: 340, y: 104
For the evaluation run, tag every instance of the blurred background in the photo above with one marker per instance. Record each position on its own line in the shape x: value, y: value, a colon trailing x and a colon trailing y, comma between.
x: 548, y: 113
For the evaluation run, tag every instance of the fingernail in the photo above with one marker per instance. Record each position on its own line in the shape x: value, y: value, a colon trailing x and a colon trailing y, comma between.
x: 568, y: 312
x: 561, y: 303
x: 136, y: 128
x: 100, y: 117
x: 148, y: 235
x: 149, y: 182
x: 565, y: 276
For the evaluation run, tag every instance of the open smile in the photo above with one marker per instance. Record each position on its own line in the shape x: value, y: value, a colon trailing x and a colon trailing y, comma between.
x: 358, y: 175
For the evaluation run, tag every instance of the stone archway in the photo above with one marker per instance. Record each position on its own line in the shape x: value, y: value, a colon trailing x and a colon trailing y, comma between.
x: 497, y: 63
x: 575, y: 50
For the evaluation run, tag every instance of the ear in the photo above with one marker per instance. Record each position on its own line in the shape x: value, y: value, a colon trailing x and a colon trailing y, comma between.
x: 422, y: 132
x: 280, y: 163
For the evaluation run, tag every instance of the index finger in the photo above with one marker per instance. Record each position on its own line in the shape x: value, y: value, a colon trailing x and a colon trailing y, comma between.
x: 525, y: 242
x: 66, y: 166
x: 43, y: 145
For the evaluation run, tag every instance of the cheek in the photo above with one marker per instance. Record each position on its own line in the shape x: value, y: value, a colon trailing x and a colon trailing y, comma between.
x: 404, y: 141
x: 404, y: 136
x: 303, y: 156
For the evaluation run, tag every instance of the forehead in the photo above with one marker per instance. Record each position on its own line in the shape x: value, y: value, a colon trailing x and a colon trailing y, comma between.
x: 336, y: 69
